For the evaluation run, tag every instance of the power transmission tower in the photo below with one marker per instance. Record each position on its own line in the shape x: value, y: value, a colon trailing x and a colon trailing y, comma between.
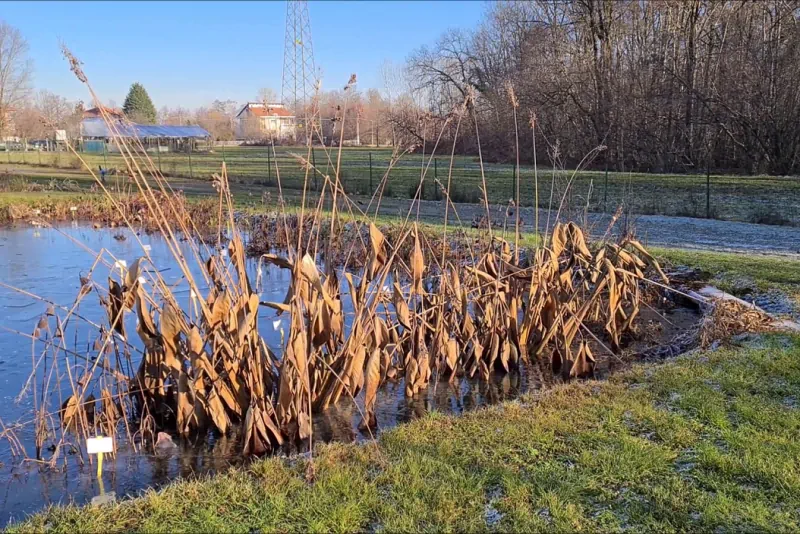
x: 298, y: 82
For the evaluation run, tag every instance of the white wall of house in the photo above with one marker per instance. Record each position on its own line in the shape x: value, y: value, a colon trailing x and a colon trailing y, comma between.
x: 278, y: 127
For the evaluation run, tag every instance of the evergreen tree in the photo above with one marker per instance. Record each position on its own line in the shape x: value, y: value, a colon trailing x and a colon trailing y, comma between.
x: 138, y: 107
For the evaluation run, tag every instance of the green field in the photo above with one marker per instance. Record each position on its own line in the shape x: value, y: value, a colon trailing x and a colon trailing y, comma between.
x: 760, y: 199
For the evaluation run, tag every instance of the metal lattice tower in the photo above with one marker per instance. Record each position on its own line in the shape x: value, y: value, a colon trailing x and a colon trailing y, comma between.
x: 298, y: 82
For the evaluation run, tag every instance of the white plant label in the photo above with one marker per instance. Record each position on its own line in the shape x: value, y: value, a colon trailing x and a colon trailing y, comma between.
x: 99, y: 444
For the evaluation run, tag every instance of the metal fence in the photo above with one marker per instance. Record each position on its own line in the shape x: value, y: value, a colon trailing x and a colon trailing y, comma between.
x: 758, y: 199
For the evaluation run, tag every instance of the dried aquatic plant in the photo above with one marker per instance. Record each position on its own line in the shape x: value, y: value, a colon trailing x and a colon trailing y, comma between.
x: 419, y: 309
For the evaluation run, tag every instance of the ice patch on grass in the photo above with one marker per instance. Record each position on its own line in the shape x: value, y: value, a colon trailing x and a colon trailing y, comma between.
x: 492, y: 515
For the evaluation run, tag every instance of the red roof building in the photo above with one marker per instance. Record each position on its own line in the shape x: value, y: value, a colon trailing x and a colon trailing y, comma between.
x: 94, y: 113
x: 270, y: 121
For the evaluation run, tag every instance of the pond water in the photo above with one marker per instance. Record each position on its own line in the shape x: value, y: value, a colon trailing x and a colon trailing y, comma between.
x: 48, y: 262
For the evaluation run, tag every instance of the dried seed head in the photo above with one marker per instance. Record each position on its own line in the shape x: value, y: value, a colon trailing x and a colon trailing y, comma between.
x: 512, y: 97
x: 532, y: 118
x: 351, y: 82
x: 470, y: 99
x: 74, y: 63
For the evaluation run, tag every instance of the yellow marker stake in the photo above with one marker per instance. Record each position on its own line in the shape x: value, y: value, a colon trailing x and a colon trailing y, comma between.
x: 99, y: 445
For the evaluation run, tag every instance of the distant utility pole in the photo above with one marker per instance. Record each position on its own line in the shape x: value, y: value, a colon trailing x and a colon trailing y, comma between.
x: 298, y: 82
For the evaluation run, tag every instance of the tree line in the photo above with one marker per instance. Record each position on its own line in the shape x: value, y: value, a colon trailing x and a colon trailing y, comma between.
x: 666, y: 86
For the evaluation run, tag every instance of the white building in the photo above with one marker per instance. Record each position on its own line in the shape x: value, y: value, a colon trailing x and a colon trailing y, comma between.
x: 270, y: 121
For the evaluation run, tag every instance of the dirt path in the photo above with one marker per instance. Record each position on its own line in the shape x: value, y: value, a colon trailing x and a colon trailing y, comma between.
x: 680, y: 232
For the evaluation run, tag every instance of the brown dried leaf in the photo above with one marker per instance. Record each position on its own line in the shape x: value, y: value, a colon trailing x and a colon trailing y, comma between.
x: 401, y: 307
x: 70, y: 410
x: 417, y: 265
x: 411, y: 376
x: 217, y: 411
x: 114, y: 307
x: 451, y: 349
x: 373, y: 377
x: 132, y: 275
x: 280, y: 261
x: 559, y: 239
x: 185, y: 404
x: 649, y: 259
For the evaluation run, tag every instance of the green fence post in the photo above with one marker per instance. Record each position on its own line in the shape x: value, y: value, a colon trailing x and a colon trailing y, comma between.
x: 105, y: 161
x: 605, y: 188
x: 191, y: 170
x: 158, y: 149
x: 370, y: 171
x: 314, y: 163
x: 435, y: 176
x: 516, y: 188
x: 269, y: 166
x: 40, y: 156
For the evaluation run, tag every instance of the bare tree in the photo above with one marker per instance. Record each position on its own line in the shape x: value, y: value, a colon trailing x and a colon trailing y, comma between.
x: 267, y: 95
x: 55, y: 110
x: 15, y: 72
x: 175, y: 116
x: 28, y: 124
x: 665, y: 86
x: 218, y: 119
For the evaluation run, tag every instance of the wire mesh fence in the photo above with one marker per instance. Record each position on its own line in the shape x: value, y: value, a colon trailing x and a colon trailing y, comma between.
x: 757, y: 199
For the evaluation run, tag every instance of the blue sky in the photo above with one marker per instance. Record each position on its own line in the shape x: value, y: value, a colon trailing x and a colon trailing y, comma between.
x: 190, y: 53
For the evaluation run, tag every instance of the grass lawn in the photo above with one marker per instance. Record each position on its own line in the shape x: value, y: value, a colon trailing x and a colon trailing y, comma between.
x: 763, y: 199
x: 705, y: 442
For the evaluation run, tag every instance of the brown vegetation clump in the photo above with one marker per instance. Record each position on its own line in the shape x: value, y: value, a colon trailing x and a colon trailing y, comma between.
x: 418, y: 308
x: 729, y: 318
